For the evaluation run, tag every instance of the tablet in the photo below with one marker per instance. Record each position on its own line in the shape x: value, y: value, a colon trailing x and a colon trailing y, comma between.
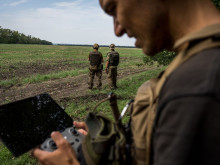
x: 27, y: 123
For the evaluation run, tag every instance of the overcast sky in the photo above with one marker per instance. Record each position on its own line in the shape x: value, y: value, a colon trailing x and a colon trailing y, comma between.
x: 67, y: 21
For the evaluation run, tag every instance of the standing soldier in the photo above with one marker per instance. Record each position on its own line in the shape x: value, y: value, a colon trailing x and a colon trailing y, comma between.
x: 96, y: 66
x: 111, y: 66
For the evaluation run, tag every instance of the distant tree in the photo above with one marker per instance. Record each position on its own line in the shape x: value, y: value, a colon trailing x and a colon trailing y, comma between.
x: 15, y: 37
x: 8, y: 36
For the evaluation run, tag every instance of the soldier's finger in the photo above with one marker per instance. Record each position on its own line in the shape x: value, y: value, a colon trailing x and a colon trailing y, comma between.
x: 81, y: 125
x: 40, y: 155
x: 59, y: 139
x: 82, y: 131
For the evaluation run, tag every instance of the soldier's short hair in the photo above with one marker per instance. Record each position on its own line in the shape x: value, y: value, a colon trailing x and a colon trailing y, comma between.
x: 95, y: 46
x: 112, y: 46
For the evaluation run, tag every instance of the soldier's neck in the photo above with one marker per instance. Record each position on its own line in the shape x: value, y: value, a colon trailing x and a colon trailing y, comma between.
x: 190, y: 16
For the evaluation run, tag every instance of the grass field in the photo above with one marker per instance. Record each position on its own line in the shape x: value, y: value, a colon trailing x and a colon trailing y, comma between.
x: 36, y: 63
x: 61, y: 71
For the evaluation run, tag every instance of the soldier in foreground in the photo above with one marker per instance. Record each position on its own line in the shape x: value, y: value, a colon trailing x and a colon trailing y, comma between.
x: 96, y: 67
x: 183, y: 104
x: 112, y: 62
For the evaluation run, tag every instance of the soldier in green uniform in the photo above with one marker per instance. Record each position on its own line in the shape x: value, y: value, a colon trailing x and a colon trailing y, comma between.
x: 96, y: 66
x: 111, y: 66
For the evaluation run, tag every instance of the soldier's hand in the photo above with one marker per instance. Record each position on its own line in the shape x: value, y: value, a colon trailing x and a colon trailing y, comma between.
x: 64, y: 154
x: 82, y: 127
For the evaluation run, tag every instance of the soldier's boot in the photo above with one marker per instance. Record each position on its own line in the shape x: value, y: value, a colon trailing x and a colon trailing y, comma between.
x: 90, y: 85
x: 115, y: 86
x: 115, y: 82
x: 99, y: 85
x: 111, y: 85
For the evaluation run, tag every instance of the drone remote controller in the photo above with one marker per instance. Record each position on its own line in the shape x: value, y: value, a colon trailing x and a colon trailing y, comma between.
x: 70, y: 134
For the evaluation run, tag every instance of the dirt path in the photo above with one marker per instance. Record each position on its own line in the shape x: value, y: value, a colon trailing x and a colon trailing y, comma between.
x: 60, y: 88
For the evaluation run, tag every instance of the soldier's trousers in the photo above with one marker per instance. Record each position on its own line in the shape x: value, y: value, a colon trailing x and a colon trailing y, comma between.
x: 92, y: 74
x: 112, y: 77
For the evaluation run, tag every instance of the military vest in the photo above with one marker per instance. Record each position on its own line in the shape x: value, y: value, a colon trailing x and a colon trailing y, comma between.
x: 95, y: 58
x: 113, y: 58
x: 146, y: 101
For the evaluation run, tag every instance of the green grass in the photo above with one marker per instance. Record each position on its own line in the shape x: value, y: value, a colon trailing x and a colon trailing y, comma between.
x: 6, y: 158
x: 15, y: 57
x: 11, y: 54
x: 63, y: 74
x: 41, y: 78
x: 126, y: 91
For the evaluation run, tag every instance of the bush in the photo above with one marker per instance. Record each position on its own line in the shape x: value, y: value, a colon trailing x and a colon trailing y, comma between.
x: 217, y: 3
x: 161, y: 58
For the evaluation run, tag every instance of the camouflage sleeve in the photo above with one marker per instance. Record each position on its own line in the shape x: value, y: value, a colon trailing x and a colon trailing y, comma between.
x: 107, y: 59
x: 101, y: 57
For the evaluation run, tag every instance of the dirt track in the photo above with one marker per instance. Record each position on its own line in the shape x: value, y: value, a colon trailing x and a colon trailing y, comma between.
x: 59, y: 89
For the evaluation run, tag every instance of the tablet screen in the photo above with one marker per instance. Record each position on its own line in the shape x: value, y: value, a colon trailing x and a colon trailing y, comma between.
x: 27, y: 123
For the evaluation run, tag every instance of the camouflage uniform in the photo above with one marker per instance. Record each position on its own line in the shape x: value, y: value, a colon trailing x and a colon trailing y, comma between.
x: 112, y: 67
x: 96, y: 59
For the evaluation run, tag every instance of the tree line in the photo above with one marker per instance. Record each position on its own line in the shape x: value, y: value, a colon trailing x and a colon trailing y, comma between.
x: 8, y: 36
